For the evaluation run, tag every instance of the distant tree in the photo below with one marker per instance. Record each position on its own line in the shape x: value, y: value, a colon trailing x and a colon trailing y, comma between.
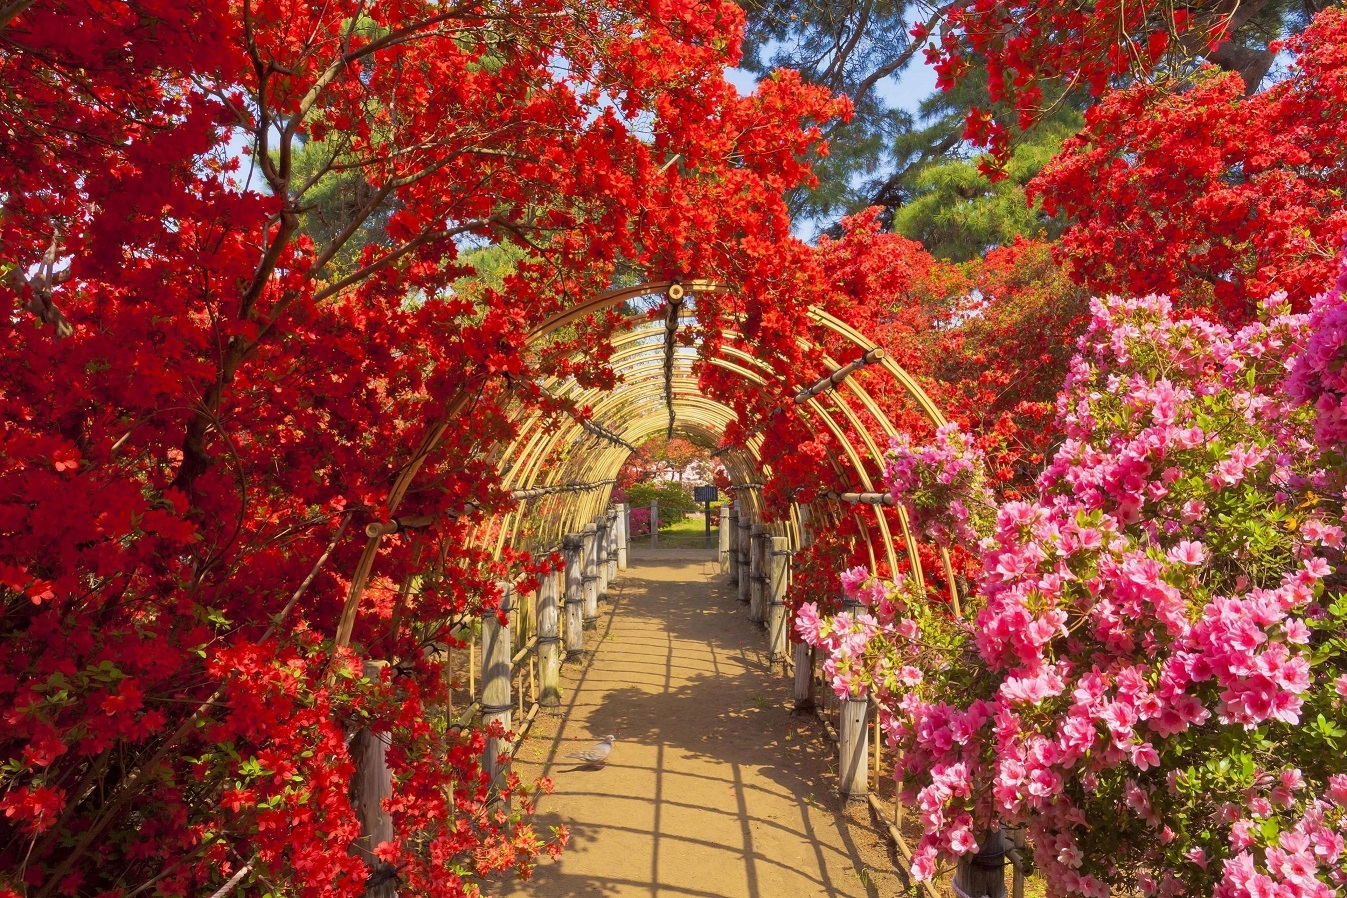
x: 958, y: 213
x: 660, y: 458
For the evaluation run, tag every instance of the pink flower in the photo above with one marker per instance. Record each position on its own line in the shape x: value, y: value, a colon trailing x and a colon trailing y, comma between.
x: 1070, y: 856
x: 853, y: 579
x: 923, y: 865
x: 1145, y: 756
x: 1189, y: 552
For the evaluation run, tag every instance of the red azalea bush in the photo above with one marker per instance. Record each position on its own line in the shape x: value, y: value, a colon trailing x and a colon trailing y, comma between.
x: 1154, y: 683
x: 221, y: 366
x: 1209, y: 195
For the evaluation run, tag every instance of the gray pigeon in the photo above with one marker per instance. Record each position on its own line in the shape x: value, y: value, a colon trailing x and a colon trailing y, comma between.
x: 596, y: 755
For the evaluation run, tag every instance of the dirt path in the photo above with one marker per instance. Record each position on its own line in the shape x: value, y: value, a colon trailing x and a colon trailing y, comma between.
x: 714, y: 788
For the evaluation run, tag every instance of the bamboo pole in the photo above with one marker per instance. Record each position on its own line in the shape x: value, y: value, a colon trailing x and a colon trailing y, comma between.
x: 777, y: 577
x: 654, y: 522
x: 590, y: 555
x: 549, y: 642
x: 572, y: 550
x: 472, y: 662
x: 496, y: 670
x: 879, y: 748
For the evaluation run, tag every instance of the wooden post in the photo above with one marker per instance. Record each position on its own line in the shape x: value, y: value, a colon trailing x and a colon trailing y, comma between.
x: 732, y: 543
x: 744, y: 544
x: 590, y: 554
x: 623, y: 534
x: 725, y: 539
x: 572, y: 549
x: 370, y: 787
x: 757, y: 574
x: 778, y: 574
x: 496, y: 705
x: 853, y: 745
x: 611, y: 542
x: 984, y: 874
x: 654, y: 522
x: 601, y: 556
x: 549, y: 642
x: 853, y: 738
x: 804, y: 677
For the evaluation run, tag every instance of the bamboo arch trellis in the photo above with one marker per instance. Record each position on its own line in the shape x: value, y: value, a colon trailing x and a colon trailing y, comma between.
x: 561, y: 471
x: 702, y: 413
x: 625, y: 410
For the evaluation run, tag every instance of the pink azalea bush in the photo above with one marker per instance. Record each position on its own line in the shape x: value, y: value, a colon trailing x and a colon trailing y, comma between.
x: 1152, y: 682
x: 941, y: 485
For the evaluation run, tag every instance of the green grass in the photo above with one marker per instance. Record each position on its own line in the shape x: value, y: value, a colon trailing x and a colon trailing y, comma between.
x: 689, y: 533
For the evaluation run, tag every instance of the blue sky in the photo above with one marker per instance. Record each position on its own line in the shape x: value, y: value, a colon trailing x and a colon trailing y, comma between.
x: 905, y: 90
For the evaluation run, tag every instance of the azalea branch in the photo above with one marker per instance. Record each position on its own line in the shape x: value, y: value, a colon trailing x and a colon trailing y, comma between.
x: 389, y: 258
x: 11, y: 12
x: 40, y: 289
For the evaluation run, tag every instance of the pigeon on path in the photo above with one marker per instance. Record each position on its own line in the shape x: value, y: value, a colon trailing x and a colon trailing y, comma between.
x: 596, y: 755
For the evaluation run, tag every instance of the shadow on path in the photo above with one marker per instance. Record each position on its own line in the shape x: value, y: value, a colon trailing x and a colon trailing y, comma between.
x: 713, y: 787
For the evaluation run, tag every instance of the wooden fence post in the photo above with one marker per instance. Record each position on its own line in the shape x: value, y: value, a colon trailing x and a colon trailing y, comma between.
x: 601, y: 534
x: 370, y: 787
x: 549, y: 643
x: 757, y: 574
x: 591, y: 578
x: 611, y: 542
x: 778, y: 574
x: 744, y: 544
x: 732, y: 540
x: 984, y: 874
x: 496, y: 704
x: 724, y: 533
x: 804, y: 677
x: 572, y: 549
x: 654, y: 522
x: 853, y: 738
x: 623, y: 534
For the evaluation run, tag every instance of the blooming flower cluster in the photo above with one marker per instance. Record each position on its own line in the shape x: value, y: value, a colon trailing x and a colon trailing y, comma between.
x: 1317, y: 374
x: 941, y: 485
x: 1152, y: 681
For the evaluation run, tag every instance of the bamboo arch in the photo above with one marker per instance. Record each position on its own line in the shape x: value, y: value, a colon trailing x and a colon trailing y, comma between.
x: 628, y: 413
x: 562, y: 478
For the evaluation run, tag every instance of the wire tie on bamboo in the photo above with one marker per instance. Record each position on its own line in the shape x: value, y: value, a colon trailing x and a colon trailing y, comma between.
x: 833, y: 380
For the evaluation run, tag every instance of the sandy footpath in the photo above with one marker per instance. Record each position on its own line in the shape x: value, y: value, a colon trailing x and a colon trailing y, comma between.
x: 714, y: 788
